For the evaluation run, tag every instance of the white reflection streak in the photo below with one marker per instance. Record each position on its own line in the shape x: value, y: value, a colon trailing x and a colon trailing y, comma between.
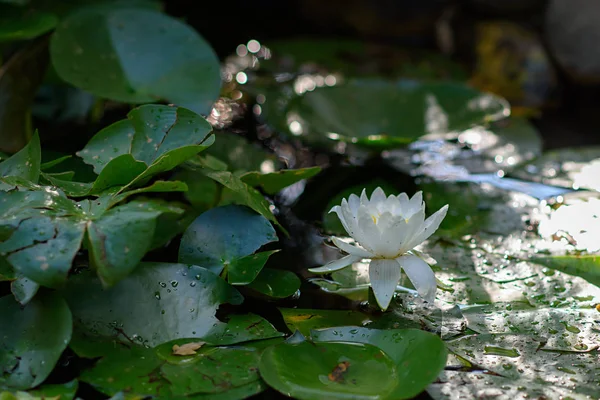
x: 436, y: 119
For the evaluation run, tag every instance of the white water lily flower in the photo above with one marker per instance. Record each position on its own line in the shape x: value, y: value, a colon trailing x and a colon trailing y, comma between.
x: 386, y: 231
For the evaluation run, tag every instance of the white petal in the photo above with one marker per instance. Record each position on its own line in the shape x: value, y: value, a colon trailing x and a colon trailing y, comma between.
x: 352, y: 250
x: 384, y: 276
x: 378, y: 196
x: 415, y: 204
x: 394, y: 236
x: 403, y: 201
x: 421, y: 275
x: 353, y: 228
x: 430, y: 226
x: 363, y: 197
x: 354, y: 203
x: 370, y: 235
x: 335, y: 265
x: 414, y: 227
x: 339, y: 211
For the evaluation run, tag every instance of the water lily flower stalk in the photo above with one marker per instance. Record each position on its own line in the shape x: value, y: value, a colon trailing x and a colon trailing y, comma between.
x: 386, y: 230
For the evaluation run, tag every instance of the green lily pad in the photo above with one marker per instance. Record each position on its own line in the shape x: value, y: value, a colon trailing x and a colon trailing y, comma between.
x: 33, y: 338
x: 276, y: 283
x: 243, y: 270
x: 419, y: 356
x: 274, y: 182
x: 306, y: 320
x: 329, y: 370
x: 220, y: 369
x: 353, y: 112
x: 222, y: 236
x: 112, y: 53
x: 24, y: 164
x: 135, y: 369
x: 164, y: 302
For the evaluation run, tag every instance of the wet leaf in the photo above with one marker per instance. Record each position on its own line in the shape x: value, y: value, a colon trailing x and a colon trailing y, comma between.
x: 111, y: 52
x: 352, y: 112
x: 165, y: 302
x: 152, y: 140
x: 223, y: 235
x: 20, y: 78
x: 419, y: 356
x: 306, y: 320
x: 243, y: 270
x: 329, y: 370
x: 241, y: 328
x: 33, y: 338
x: 187, y: 349
x: 45, y: 230
x: 135, y: 368
x: 276, y: 283
x: 24, y: 164
x: 213, y: 370
x: 272, y: 183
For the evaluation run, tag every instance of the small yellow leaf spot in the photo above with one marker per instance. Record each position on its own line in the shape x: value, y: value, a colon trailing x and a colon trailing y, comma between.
x: 126, y: 249
x: 187, y: 349
x: 44, y: 266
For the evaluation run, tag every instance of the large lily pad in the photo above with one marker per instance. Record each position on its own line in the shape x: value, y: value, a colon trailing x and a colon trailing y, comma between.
x: 33, y: 338
x: 221, y: 238
x: 386, y: 113
x: 112, y: 52
x: 164, y: 302
x: 329, y: 370
x: 419, y: 356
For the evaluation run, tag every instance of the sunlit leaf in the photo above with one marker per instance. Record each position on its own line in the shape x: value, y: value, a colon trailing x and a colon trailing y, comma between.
x: 136, y: 55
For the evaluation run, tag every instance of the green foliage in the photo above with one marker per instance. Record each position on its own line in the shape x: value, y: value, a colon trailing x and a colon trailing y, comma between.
x: 33, y: 338
x: 136, y: 55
